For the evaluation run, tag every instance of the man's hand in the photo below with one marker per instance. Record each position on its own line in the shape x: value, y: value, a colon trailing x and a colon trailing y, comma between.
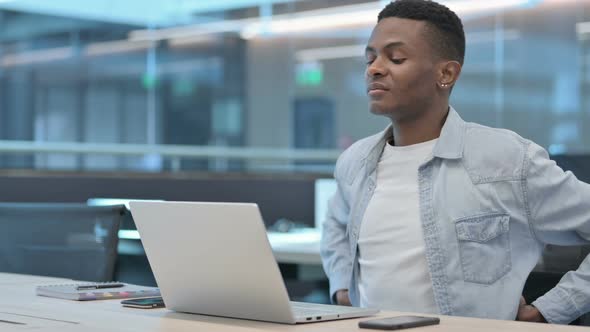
x: 528, y: 313
x: 342, y: 297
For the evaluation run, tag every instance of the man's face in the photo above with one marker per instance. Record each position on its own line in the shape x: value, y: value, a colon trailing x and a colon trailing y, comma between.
x: 400, y: 74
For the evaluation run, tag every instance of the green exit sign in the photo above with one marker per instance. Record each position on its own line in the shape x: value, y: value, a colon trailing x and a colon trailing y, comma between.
x: 309, y: 74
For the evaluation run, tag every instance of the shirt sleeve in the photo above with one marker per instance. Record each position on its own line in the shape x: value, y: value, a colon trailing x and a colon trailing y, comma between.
x: 334, y: 245
x: 558, y: 206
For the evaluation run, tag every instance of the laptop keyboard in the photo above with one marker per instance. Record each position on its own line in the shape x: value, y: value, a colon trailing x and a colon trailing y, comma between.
x: 313, y: 309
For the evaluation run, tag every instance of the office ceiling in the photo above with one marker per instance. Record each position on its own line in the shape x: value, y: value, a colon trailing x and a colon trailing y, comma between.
x: 133, y: 12
x: 25, y: 19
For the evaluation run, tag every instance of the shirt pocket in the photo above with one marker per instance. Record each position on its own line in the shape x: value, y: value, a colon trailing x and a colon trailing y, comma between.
x: 484, y: 247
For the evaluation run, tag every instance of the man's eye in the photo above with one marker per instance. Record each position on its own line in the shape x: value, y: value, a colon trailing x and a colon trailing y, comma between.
x: 370, y: 61
x: 398, y: 61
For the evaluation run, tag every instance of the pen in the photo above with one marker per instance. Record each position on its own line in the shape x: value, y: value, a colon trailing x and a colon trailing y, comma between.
x: 100, y: 286
x: 11, y: 322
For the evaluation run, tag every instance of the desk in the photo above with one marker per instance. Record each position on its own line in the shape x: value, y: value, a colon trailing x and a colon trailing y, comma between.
x: 19, y: 303
x: 302, y: 247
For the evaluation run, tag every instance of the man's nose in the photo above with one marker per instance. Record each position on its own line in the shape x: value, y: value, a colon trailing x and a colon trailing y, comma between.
x: 376, y: 68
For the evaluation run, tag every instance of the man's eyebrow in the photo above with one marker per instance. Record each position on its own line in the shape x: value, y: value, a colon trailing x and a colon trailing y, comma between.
x: 388, y: 46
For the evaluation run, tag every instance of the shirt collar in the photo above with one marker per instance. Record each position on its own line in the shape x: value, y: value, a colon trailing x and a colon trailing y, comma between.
x: 451, y: 140
x: 449, y: 145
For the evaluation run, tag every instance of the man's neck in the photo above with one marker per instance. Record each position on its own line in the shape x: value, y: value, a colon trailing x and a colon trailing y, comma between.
x: 423, y: 128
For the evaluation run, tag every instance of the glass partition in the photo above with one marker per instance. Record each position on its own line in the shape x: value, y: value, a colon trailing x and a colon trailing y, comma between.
x: 259, y: 85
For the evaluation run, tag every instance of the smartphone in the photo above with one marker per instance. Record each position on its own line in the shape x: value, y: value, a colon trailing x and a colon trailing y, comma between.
x: 398, y: 323
x: 144, y: 303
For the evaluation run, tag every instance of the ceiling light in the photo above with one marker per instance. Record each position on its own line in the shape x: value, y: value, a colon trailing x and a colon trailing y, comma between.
x: 37, y: 56
x: 314, y: 20
x: 325, y: 53
x: 118, y: 46
x: 358, y: 50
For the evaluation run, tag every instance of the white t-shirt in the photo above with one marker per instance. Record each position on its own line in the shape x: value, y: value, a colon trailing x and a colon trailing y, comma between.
x: 394, y: 273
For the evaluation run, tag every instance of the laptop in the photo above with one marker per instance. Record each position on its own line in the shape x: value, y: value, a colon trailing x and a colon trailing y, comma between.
x: 215, y: 259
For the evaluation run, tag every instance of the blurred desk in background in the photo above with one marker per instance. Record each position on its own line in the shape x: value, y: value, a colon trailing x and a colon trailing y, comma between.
x: 298, y: 247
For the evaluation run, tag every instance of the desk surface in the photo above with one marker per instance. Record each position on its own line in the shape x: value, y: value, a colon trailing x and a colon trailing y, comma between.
x: 19, y: 303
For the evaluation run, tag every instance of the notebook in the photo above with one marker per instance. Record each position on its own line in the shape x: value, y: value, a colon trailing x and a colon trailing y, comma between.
x: 103, y: 291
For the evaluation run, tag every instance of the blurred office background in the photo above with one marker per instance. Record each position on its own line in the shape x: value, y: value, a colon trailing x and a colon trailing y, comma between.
x: 259, y: 85
x: 253, y: 100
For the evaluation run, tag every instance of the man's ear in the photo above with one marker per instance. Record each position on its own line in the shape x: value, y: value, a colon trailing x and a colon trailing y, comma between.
x: 449, y: 72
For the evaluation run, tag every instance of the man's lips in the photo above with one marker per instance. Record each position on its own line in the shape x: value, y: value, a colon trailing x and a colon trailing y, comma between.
x: 376, y: 88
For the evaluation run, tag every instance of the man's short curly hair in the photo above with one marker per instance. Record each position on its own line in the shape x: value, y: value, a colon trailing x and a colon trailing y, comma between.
x: 445, y: 33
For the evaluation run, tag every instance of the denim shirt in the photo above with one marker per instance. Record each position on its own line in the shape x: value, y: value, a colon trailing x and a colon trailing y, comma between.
x: 489, y: 202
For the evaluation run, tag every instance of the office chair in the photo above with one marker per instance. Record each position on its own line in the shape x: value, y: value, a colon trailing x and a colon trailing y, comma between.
x: 61, y: 240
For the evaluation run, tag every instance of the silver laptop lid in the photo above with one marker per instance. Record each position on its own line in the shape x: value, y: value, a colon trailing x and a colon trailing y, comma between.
x: 213, y: 259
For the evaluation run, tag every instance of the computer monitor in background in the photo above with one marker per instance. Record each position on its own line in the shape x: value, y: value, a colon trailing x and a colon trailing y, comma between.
x: 324, y: 189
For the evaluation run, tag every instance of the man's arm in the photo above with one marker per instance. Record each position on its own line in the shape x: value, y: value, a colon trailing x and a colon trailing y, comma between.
x: 558, y: 207
x: 334, y: 245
